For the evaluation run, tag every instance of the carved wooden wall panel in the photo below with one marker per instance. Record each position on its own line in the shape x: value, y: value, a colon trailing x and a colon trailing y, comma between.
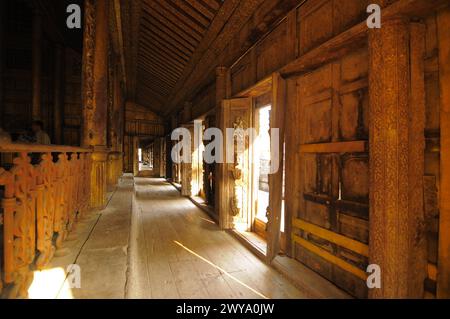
x: 320, y: 20
x: 243, y: 73
x: 234, y: 187
x: 274, y: 51
x: 332, y: 106
x: 277, y: 49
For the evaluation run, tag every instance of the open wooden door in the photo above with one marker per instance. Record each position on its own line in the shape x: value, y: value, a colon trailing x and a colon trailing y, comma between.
x: 234, y: 180
x: 277, y: 119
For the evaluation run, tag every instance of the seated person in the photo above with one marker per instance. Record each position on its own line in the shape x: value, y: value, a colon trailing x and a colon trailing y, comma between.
x: 40, y: 136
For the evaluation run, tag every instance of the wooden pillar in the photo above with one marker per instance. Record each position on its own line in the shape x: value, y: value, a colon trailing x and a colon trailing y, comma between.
x: 220, y: 197
x: 57, y: 94
x: 397, y: 117
x: 443, y: 279
x: 36, y: 64
x: 95, y: 94
x: 135, y: 153
x: 114, y: 170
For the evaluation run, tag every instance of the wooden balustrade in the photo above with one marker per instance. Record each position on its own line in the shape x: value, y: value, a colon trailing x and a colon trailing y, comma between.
x: 40, y: 204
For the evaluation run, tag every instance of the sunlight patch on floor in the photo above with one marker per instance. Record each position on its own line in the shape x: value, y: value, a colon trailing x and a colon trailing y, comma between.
x: 50, y: 284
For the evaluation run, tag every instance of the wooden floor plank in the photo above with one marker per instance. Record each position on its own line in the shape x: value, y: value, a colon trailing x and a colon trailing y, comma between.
x: 188, y: 256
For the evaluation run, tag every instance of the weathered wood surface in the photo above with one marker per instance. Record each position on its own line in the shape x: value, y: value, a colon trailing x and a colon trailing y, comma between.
x: 397, y: 113
x: 356, y: 36
x: 181, y: 260
x: 277, y: 121
x: 443, y: 284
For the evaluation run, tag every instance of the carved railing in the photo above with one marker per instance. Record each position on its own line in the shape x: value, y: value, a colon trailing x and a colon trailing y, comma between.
x: 43, y: 191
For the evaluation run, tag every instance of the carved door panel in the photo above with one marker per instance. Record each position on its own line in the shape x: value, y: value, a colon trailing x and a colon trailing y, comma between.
x: 235, y: 186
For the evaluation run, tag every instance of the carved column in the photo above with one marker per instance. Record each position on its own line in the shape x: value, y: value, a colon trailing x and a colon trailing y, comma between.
x: 443, y: 280
x: 221, y: 94
x: 36, y: 64
x: 397, y: 117
x: 113, y: 117
x: 95, y: 94
x: 2, y: 48
x: 57, y: 95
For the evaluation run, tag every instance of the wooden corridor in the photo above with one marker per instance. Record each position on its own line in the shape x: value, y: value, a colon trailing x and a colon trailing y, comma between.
x: 163, y: 247
x: 309, y: 146
x: 177, y: 251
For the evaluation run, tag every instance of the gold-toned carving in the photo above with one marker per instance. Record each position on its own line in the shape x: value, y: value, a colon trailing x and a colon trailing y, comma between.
x: 39, y: 202
x: 238, y: 183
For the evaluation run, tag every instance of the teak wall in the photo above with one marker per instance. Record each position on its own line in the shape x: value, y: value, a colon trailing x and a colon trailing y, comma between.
x: 328, y: 58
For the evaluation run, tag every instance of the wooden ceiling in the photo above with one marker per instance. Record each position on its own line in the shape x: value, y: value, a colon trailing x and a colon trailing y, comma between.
x: 169, y: 32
